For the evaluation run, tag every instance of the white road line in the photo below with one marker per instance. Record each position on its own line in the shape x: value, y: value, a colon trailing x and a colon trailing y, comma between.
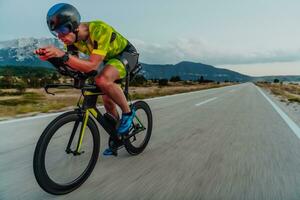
x: 206, y: 101
x: 289, y: 122
x: 174, y: 95
x: 185, y: 93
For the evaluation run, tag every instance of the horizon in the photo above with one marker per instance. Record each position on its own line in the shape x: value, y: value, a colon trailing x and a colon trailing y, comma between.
x: 223, y: 34
x: 219, y: 67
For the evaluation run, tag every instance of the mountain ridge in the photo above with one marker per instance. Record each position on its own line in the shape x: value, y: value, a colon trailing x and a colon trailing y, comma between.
x: 19, y: 52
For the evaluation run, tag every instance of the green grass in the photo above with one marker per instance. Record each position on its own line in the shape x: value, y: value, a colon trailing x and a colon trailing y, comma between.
x: 2, y: 94
x: 37, y: 102
x: 289, y: 93
x: 27, y: 98
x: 160, y: 92
x: 294, y: 99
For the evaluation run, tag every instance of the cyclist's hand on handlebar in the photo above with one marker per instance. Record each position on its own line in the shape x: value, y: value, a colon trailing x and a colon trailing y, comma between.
x: 41, y: 53
x: 52, y: 51
x: 49, y: 52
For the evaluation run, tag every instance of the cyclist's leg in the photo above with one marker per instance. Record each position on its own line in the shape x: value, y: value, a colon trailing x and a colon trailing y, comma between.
x: 114, y: 94
x: 110, y: 106
x: 105, y: 81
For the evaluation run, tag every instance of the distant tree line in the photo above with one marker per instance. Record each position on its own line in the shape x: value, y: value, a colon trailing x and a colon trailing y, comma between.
x: 22, y: 77
x: 26, y: 77
x: 164, y: 81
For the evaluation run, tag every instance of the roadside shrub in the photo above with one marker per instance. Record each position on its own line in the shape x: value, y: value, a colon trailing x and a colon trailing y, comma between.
x: 138, y: 80
x: 276, y: 80
x: 21, y: 87
x: 163, y: 82
x: 154, y: 80
x: 188, y: 83
x: 294, y: 99
x: 175, y: 79
x: 201, y: 79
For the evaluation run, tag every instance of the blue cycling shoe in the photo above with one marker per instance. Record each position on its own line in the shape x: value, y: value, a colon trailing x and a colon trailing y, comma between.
x: 126, y: 122
x: 108, y: 152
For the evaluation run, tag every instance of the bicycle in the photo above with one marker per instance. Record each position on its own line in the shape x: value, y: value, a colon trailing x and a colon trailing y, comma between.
x: 63, y: 131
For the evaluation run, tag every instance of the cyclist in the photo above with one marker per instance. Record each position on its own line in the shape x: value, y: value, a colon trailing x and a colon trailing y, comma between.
x: 104, y: 45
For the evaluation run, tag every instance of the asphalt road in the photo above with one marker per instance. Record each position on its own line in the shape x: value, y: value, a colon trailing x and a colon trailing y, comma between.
x: 226, y: 143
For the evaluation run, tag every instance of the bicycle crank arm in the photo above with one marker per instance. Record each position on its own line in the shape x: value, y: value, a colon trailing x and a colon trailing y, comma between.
x: 134, y: 132
x: 75, y: 153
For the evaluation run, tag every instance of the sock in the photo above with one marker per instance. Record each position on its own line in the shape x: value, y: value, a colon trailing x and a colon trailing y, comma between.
x: 130, y: 113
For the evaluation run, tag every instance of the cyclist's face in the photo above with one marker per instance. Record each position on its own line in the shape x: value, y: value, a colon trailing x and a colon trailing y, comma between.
x: 68, y: 38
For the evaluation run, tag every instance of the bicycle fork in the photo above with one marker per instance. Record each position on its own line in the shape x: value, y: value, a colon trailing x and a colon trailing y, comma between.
x: 81, y: 134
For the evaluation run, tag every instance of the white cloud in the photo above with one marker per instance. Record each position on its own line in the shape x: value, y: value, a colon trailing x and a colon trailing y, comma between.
x: 200, y: 51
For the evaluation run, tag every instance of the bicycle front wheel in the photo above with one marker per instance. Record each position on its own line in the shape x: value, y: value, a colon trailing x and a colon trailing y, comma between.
x: 57, y: 167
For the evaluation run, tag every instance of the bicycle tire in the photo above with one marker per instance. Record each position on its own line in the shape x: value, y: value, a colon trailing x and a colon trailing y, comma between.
x: 40, y: 172
x: 131, y: 149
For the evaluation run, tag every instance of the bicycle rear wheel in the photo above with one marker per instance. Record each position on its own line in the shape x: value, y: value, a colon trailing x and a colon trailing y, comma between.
x: 57, y: 169
x: 142, y: 129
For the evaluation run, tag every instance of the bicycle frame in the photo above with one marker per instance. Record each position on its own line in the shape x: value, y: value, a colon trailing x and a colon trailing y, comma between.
x: 88, y: 109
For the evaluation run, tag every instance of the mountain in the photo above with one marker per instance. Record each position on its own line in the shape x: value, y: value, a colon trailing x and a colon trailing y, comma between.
x: 192, y: 71
x: 19, y: 52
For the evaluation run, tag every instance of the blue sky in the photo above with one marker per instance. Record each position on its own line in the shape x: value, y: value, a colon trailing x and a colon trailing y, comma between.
x: 256, y: 37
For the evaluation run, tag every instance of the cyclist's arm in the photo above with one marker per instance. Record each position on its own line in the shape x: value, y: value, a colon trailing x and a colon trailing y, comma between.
x: 74, y: 62
x: 85, y: 65
x: 73, y: 50
x: 80, y: 64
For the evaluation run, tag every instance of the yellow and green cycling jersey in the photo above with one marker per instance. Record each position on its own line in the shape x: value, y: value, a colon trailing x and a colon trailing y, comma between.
x: 104, y: 40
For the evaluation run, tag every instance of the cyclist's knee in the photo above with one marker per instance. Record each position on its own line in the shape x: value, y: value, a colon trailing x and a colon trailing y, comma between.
x: 103, y: 82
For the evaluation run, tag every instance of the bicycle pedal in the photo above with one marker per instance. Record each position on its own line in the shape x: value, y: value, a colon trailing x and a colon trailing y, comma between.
x: 115, y: 152
x: 120, y: 147
x: 75, y: 153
